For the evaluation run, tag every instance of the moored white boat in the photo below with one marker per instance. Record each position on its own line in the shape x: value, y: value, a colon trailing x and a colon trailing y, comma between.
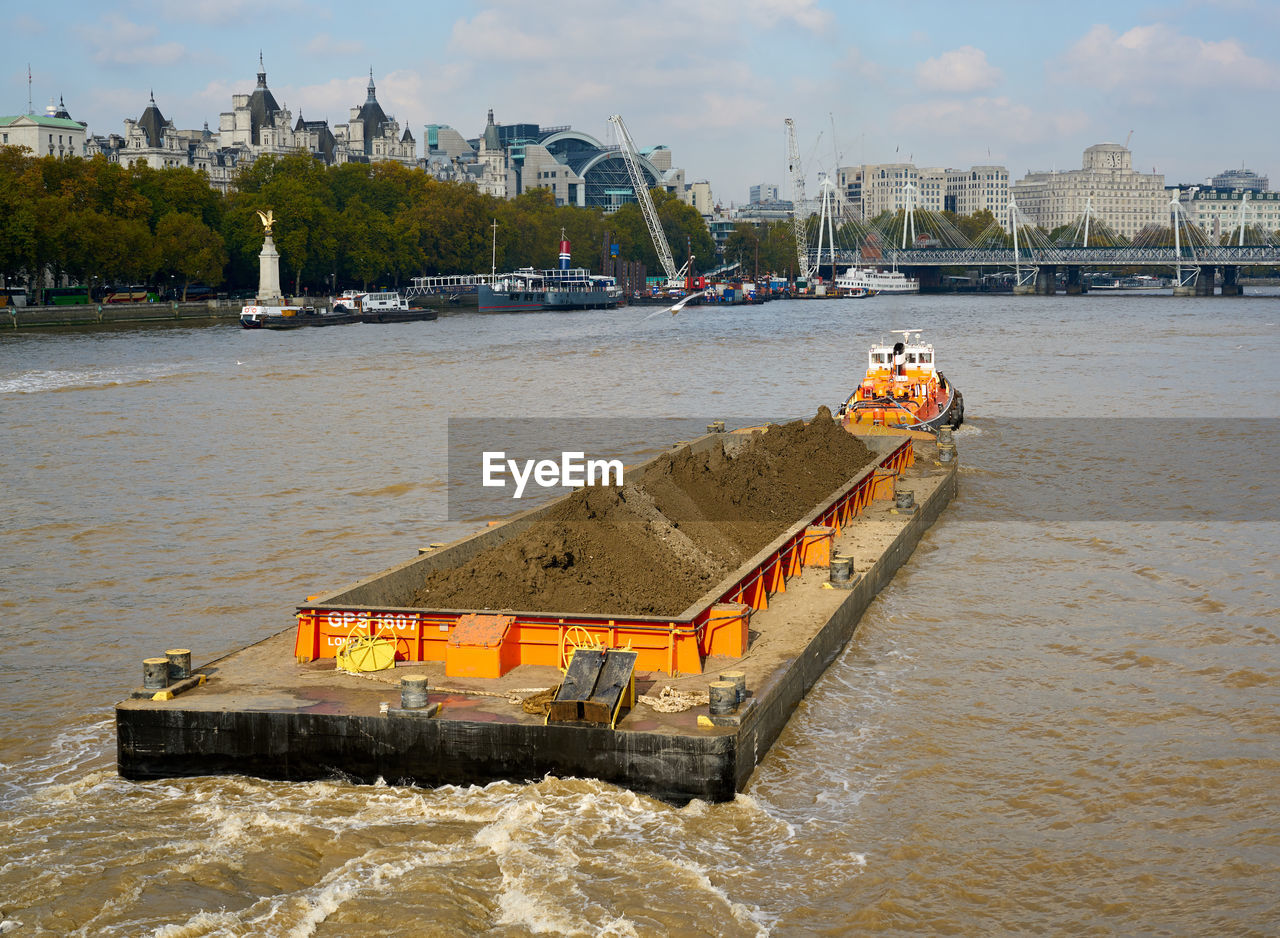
x: 876, y: 281
x: 530, y: 290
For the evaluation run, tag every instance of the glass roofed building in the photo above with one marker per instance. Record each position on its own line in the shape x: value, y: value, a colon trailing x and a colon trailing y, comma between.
x: 578, y: 168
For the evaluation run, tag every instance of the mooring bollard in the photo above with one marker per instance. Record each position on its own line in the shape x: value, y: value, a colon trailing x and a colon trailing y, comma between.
x: 946, y: 454
x: 179, y: 664
x: 413, y: 692
x: 155, y: 673
x: 724, y: 697
x: 945, y: 437
x: 841, y: 570
x: 905, y: 500
x: 739, y: 680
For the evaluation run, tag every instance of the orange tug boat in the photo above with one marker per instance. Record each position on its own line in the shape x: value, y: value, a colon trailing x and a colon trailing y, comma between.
x: 903, y: 391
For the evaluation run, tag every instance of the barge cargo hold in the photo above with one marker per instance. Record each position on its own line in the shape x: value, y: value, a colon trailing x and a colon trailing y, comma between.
x: 276, y: 710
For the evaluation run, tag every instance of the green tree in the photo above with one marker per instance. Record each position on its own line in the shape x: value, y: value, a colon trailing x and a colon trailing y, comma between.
x: 686, y: 232
x: 743, y: 245
x: 446, y: 230
x: 527, y: 232
x: 22, y: 193
x: 296, y: 188
x: 190, y: 249
x: 365, y: 237
x: 1253, y: 234
x: 177, y: 189
x: 981, y: 225
x: 95, y: 246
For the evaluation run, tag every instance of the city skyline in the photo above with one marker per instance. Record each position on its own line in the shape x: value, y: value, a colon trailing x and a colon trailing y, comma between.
x: 988, y: 83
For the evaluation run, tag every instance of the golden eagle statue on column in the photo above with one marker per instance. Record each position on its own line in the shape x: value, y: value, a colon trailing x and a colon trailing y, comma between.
x: 268, y: 218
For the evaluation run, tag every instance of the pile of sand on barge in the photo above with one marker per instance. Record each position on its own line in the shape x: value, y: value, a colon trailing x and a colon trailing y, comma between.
x: 656, y: 544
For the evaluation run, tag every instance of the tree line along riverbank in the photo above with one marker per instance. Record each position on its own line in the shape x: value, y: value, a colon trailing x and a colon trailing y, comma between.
x: 97, y: 224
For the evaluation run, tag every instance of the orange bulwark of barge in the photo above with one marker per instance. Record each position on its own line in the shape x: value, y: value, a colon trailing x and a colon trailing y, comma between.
x: 716, y: 625
x: 450, y: 712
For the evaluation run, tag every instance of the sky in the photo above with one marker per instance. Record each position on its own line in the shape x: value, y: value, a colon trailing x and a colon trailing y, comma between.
x: 1192, y: 86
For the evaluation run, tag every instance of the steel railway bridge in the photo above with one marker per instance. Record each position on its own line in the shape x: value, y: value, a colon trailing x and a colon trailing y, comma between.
x: 1036, y: 269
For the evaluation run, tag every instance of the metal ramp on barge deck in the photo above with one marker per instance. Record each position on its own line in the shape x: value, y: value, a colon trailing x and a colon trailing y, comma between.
x: 597, y: 683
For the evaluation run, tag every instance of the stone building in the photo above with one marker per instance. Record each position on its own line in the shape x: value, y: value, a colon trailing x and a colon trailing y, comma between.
x: 1126, y: 200
x: 979, y: 189
x: 1239, y: 179
x: 153, y: 140
x: 370, y: 135
x: 52, y: 133
x: 698, y: 194
x: 1221, y: 212
x: 257, y: 125
x: 763, y: 192
x: 874, y: 188
x: 578, y: 169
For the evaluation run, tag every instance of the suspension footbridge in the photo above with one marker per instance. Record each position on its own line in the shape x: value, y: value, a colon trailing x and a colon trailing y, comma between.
x: 832, y: 234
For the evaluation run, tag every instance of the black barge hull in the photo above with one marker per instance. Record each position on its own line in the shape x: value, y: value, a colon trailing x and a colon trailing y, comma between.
x: 261, y: 715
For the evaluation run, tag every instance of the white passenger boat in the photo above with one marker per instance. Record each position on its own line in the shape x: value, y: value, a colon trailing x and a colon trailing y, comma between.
x: 876, y: 281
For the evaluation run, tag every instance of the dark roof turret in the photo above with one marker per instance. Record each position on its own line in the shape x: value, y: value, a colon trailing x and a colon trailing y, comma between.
x: 373, y: 116
x: 153, y: 123
x: 491, y: 141
x: 262, y: 105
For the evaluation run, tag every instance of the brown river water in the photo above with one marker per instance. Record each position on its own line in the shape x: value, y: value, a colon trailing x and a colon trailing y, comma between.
x: 1061, y: 718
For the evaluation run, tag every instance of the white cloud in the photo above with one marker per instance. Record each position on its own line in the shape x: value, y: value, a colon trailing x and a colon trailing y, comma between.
x: 491, y: 34
x: 804, y: 13
x: 999, y: 120
x: 640, y: 70
x: 325, y: 45
x: 513, y: 31
x: 211, y: 100
x: 961, y: 71
x: 26, y: 25
x: 114, y: 40
x: 856, y: 63
x: 1148, y: 60
x: 221, y: 12
x: 331, y: 100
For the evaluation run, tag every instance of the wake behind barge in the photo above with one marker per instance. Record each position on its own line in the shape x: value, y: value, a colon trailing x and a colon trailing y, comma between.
x: 279, y: 709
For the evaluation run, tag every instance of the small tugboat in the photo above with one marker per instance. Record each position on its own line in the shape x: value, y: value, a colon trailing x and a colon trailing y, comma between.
x: 293, y: 317
x: 259, y: 316
x: 903, y: 391
x: 391, y: 307
x: 348, y: 302
x: 381, y: 307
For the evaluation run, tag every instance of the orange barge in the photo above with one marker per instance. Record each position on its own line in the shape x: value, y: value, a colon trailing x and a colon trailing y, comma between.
x: 491, y: 645
x: 453, y: 709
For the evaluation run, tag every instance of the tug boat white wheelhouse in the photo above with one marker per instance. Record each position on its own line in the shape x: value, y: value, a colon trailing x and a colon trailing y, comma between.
x: 903, y: 390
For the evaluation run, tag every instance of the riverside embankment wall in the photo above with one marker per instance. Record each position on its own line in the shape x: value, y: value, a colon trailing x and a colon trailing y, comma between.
x: 39, y: 317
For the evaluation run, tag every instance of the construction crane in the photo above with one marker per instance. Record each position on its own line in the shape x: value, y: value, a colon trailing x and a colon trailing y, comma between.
x: 799, y: 210
x: 641, y: 186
